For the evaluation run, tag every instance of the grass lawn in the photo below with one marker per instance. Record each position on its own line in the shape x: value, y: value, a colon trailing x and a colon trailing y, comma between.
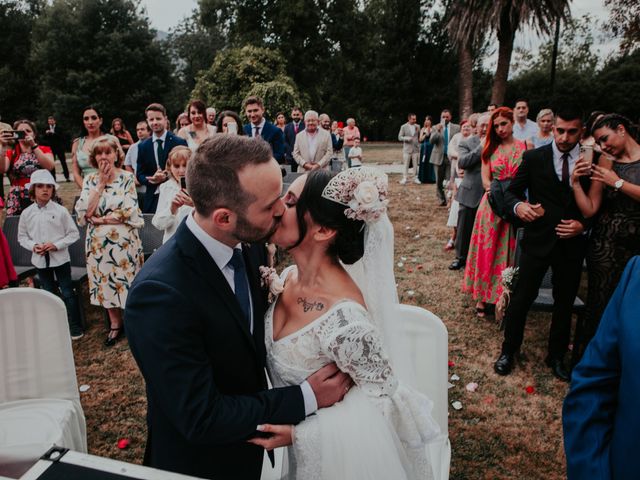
x: 501, y: 432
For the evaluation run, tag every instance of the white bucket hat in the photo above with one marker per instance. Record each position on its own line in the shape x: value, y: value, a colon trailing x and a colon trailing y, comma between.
x: 43, y: 177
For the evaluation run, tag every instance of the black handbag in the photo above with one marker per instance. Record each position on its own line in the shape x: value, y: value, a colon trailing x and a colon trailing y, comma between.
x: 498, y: 204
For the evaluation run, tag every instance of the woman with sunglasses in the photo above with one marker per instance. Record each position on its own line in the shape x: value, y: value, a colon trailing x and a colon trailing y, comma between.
x: 91, y: 129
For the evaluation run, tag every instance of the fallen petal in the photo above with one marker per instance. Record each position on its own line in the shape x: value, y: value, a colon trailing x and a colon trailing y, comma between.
x: 472, y: 387
x: 455, y: 378
x: 530, y: 389
x: 123, y: 443
x: 400, y: 264
x: 84, y: 388
x: 456, y: 405
x: 451, y: 363
x: 411, y: 293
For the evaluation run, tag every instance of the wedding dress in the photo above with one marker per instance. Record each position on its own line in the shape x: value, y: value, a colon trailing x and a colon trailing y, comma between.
x: 380, y: 429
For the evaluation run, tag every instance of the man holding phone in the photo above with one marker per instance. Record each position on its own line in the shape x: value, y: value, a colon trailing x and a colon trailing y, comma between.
x: 440, y: 138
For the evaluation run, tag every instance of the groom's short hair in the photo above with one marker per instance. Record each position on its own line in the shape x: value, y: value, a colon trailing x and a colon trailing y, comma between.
x: 212, y: 172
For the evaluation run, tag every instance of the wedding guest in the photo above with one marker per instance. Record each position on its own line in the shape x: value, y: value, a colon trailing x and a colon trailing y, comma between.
x: 455, y: 180
x: 211, y: 116
x: 441, y: 134
x: 493, y: 242
x: 600, y: 416
x: 540, y: 196
x: 198, y: 130
x: 108, y: 205
x: 408, y: 135
x: 350, y: 134
x: 47, y: 229
x: 119, y: 131
x: 20, y: 162
x: 292, y: 129
x: 355, y: 154
x: 174, y: 203
x: 426, y: 172
x: 181, y: 122
x: 8, y: 275
x: 91, y: 130
x: 260, y: 127
x: 545, y: 125
x: 56, y: 139
x: 131, y: 159
x: 523, y: 128
x: 614, y: 195
x: 281, y: 121
x: 229, y: 122
x: 336, y: 139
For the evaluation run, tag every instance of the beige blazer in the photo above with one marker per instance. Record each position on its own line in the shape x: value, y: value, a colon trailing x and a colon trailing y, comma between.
x: 324, y: 148
x: 409, y: 138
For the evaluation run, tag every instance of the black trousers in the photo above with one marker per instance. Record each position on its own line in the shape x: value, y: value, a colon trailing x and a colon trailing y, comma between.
x: 443, y: 172
x: 59, y: 152
x: 466, y: 220
x: 565, y: 261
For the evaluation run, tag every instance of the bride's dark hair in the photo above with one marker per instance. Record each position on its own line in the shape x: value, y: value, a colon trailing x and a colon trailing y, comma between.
x: 348, y: 245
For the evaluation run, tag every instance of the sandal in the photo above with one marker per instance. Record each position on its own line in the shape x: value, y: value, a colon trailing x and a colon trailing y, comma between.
x: 111, y: 338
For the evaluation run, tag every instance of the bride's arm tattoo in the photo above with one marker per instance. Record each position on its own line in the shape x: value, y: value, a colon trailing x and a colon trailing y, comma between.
x: 308, y: 306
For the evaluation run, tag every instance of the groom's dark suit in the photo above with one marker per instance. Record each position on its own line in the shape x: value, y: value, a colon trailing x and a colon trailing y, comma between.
x: 543, y: 248
x: 203, y: 368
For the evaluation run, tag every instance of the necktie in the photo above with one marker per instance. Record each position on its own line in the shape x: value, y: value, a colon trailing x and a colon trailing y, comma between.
x: 565, y: 169
x: 295, y: 127
x: 159, y: 151
x: 257, y: 132
x: 446, y: 139
x: 241, y: 283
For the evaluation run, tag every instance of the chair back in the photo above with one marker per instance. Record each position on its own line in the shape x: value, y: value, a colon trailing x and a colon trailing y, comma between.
x: 21, y: 257
x: 36, y: 359
x: 151, y: 237
x: 77, y: 250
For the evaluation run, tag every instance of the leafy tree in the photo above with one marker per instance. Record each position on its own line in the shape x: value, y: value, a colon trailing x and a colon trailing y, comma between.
x: 101, y: 52
x: 624, y: 21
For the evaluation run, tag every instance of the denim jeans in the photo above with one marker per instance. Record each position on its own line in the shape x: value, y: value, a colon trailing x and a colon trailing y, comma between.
x: 63, y: 276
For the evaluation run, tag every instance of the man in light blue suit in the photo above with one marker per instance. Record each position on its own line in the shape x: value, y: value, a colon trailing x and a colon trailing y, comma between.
x: 601, y: 414
x: 260, y: 127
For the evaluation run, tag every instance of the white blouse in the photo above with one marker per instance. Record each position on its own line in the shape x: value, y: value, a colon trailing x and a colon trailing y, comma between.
x: 164, y: 219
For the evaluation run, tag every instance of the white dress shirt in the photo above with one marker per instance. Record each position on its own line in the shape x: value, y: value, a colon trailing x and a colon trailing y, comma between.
x: 312, y: 139
x: 260, y: 126
x: 557, y: 159
x: 163, y: 137
x: 163, y: 219
x: 221, y: 254
x: 49, y: 223
x: 131, y: 158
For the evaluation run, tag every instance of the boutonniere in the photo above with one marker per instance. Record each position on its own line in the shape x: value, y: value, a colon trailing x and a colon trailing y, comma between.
x: 270, y: 280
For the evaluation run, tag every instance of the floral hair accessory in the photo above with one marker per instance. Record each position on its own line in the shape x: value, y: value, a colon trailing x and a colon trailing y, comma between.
x: 363, y: 190
x: 269, y: 279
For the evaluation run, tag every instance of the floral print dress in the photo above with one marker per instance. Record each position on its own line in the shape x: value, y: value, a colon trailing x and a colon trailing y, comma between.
x: 493, y: 242
x: 114, y: 252
x: 19, y: 174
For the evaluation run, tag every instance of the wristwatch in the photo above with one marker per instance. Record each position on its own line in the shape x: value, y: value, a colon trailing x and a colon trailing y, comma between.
x: 618, y: 185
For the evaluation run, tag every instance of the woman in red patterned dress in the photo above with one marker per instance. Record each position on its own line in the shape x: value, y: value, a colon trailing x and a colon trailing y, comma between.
x: 493, y: 241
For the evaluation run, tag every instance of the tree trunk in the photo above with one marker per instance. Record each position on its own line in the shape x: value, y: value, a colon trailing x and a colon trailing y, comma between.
x: 506, y: 36
x: 465, y: 80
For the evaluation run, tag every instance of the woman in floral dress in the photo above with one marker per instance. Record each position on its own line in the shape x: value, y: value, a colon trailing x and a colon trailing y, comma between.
x: 493, y: 241
x: 20, y: 162
x: 108, y: 204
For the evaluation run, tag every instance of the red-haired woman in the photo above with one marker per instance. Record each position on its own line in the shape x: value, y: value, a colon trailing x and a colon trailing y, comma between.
x: 493, y: 241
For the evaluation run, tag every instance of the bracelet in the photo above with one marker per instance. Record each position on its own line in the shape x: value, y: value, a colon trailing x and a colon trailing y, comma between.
x: 33, y: 147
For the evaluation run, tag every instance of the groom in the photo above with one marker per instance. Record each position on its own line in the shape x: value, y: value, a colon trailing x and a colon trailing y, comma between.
x: 194, y: 319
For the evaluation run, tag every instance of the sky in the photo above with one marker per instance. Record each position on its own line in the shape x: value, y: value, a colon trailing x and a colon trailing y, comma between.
x: 165, y: 14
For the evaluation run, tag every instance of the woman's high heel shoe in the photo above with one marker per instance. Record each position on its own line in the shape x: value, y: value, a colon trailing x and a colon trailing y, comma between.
x: 112, y: 338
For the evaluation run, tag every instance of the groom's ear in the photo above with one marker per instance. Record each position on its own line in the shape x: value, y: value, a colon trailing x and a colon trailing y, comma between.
x: 224, y: 219
x: 322, y: 234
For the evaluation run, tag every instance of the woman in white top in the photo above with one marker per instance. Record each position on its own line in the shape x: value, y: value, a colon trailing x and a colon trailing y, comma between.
x: 455, y: 180
x: 199, y: 129
x: 174, y: 203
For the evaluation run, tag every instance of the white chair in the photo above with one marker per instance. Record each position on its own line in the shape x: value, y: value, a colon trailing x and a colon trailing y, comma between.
x: 426, y: 338
x: 39, y: 399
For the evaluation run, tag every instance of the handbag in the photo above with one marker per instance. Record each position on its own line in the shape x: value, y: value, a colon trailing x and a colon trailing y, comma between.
x: 498, y: 204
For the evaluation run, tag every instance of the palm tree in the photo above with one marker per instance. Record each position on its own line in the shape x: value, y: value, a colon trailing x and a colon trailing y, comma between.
x: 504, y: 17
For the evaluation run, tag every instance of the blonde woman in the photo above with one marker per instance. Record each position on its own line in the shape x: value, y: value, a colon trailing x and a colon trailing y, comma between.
x: 545, y: 135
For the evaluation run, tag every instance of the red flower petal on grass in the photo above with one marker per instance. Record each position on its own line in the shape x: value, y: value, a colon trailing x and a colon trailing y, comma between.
x: 419, y: 267
x: 451, y: 364
x: 409, y: 270
x: 530, y: 389
x: 123, y: 443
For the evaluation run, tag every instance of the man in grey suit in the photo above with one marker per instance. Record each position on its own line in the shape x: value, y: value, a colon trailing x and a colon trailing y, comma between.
x: 440, y: 138
x: 313, y: 147
x: 408, y: 135
x: 470, y: 190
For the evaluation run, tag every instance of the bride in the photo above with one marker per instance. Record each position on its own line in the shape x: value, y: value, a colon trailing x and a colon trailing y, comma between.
x: 322, y: 313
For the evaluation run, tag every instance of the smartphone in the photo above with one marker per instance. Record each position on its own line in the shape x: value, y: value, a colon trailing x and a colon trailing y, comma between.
x: 183, y: 183
x: 232, y: 128
x: 17, y: 134
x: 587, y: 153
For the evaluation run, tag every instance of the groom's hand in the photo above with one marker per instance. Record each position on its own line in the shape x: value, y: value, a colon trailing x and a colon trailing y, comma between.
x: 278, y: 436
x: 329, y: 385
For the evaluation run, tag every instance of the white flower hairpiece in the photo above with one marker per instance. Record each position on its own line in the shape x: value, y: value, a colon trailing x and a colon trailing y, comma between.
x: 363, y: 190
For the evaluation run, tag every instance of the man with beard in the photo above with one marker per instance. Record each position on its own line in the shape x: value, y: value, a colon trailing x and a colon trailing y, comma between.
x: 194, y: 320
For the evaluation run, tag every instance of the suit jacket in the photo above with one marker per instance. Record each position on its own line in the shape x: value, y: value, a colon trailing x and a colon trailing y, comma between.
x: 55, y: 140
x: 409, y: 138
x: 273, y: 136
x: 470, y: 190
x: 600, y: 414
x: 324, y: 148
x: 146, y: 163
x: 337, y: 142
x: 290, y: 139
x: 204, y: 370
x: 537, y: 175
x: 437, y: 140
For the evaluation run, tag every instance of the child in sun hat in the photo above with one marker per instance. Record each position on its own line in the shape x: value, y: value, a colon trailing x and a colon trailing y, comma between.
x: 47, y: 229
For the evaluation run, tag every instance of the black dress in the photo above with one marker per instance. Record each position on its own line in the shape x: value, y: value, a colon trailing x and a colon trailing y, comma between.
x: 614, y: 240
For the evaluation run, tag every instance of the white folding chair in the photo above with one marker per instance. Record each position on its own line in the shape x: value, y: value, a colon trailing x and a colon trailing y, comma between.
x: 39, y: 399
x: 427, y: 341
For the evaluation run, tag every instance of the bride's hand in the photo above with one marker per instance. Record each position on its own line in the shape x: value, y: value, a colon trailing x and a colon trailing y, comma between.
x: 280, y: 436
x: 329, y: 385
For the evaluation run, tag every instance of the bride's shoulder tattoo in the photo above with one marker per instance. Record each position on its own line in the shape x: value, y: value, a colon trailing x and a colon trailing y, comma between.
x: 308, y: 306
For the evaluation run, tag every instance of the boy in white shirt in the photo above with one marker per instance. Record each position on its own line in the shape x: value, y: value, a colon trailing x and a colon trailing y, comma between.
x: 355, y: 154
x: 47, y: 229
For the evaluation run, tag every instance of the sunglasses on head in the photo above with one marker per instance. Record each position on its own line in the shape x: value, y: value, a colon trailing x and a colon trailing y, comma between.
x: 90, y: 117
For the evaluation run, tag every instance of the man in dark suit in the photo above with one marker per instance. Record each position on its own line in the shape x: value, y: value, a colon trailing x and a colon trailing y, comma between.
x: 194, y: 320
x: 553, y: 237
x: 55, y: 138
x: 291, y: 129
x: 153, y: 153
x: 260, y: 127
x: 470, y: 190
